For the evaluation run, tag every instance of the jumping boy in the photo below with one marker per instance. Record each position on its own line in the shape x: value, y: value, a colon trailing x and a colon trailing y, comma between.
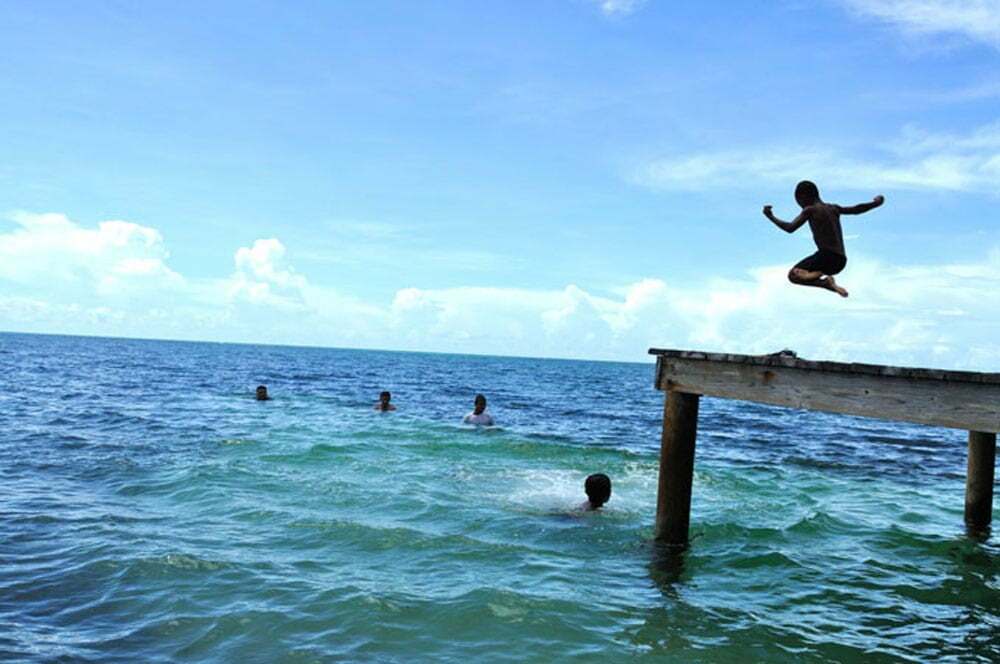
x: 824, y: 222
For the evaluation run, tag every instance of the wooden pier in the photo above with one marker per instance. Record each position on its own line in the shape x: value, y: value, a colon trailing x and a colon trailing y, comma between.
x: 956, y: 399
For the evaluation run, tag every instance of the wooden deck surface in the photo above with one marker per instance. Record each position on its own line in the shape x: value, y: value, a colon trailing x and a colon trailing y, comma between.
x: 958, y: 399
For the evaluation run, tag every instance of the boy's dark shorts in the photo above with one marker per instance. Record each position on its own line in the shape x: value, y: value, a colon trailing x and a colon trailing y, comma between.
x: 825, y: 261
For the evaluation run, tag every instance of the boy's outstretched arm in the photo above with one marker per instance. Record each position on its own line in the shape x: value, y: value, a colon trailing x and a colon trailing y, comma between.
x: 787, y: 226
x: 861, y: 208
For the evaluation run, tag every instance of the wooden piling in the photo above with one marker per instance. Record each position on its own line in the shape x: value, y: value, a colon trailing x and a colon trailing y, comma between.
x: 979, y: 480
x: 673, y: 500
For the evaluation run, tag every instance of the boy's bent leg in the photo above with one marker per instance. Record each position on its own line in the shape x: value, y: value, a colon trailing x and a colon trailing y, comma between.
x: 815, y: 278
x: 798, y: 275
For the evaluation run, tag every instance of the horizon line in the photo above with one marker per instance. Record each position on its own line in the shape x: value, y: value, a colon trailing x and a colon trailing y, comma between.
x: 293, y: 345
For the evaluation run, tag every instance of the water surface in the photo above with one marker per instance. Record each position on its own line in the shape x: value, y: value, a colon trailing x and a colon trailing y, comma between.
x: 152, y: 511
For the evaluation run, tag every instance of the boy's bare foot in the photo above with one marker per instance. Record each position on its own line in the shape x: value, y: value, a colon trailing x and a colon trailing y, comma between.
x: 832, y: 285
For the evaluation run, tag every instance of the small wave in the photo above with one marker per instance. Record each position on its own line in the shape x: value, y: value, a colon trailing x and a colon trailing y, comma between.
x: 185, y: 561
x: 731, y: 531
x: 310, y: 377
x: 239, y: 441
x: 930, y: 444
x: 760, y: 559
x: 818, y: 523
x: 820, y: 463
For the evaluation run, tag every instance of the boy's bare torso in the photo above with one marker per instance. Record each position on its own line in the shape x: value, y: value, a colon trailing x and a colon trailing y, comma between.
x: 824, y: 222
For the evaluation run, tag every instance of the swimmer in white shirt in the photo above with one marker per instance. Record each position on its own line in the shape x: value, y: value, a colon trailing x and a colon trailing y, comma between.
x: 479, y: 414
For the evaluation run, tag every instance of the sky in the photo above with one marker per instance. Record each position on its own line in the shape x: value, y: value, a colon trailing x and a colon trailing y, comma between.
x: 555, y: 178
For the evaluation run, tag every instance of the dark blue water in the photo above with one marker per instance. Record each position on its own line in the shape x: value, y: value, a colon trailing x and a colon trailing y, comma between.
x: 151, y: 510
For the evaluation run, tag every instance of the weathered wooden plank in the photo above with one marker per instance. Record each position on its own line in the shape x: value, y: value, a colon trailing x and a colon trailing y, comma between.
x: 922, y: 396
x: 833, y: 367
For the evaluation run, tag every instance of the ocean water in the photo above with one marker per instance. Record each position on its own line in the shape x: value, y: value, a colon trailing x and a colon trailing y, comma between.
x: 152, y: 511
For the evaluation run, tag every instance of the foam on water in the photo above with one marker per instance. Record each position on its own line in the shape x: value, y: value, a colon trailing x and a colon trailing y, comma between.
x: 153, y: 511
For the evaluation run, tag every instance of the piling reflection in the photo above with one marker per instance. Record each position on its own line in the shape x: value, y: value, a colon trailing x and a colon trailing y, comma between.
x: 666, y: 567
x: 980, y: 534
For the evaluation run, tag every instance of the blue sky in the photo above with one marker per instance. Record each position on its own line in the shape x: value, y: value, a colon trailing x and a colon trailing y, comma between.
x: 569, y: 178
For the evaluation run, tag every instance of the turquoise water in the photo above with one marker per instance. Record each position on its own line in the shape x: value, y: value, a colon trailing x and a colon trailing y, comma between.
x: 152, y: 511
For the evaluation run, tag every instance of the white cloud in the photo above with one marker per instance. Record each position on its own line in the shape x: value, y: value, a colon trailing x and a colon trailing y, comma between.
x: 916, y: 160
x: 262, y: 277
x: 262, y: 262
x: 975, y: 19
x: 115, y: 258
x: 911, y: 315
x: 621, y: 7
x: 943, y: 315
x: 113, y: 278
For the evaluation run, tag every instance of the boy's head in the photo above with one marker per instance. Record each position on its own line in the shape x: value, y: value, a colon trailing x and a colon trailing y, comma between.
x: 598, y: 488
x: 806, y: 193
x: 262, y: 393
x: 384, y: 397
x: 479, y: 404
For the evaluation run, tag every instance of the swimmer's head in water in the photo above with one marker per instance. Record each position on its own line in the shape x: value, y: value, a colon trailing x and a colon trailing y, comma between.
x: 806, y: 193
x: 385, y: 397
x: 262, y: 393
x: 598, y: 488
x: 479, y: 403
